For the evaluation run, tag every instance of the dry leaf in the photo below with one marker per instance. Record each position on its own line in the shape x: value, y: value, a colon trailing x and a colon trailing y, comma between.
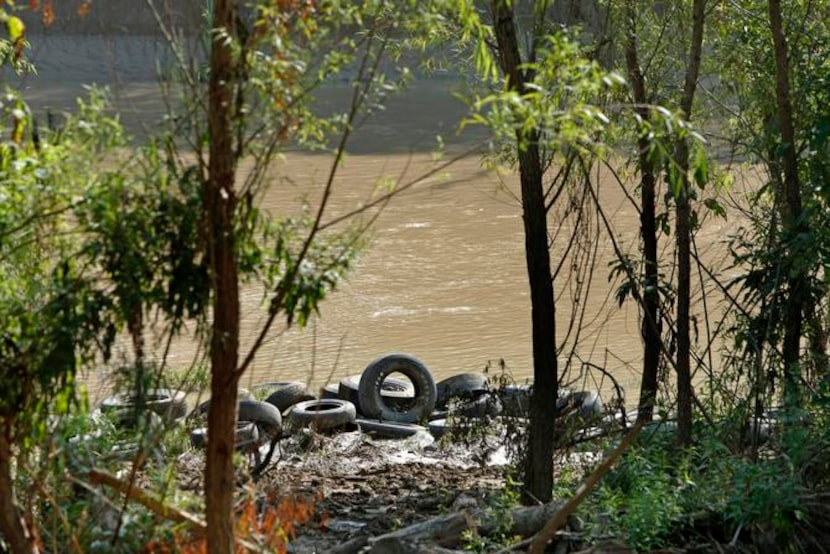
x: 48, y: 13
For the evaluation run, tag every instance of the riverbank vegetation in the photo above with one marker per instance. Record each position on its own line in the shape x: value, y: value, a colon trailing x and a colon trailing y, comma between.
x: 100, y: 237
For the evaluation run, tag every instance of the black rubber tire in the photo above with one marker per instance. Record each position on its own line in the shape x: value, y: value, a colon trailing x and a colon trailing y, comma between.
x: 287, y: 394
x: 464, y: 385
x: 266, y: 416
x: 373, y: 402
x: 589, y: 404
x: 202, y: 408
x: 330, y: 390
x: 398, y: 393
x: 246, y: 434
x: 486, y: 405
x: 388, y: 429
x: 321, y: 415
x: 438, y: 428
x: 515, y: 400
x: 438, y: 414
x: 167, y: 403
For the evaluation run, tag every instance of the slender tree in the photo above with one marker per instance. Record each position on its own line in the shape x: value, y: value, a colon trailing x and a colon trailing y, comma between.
x: 683, y: 232
x: 651, y: 324
x: 220, y: 206
x: 538, y: 469
x: 794, y: 223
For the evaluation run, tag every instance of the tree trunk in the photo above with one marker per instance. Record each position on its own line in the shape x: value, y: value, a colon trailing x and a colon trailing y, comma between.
x: 538, y: 468
x: 793, y: 223
x: 684, y: 237
x: 220, y: 204
x: 12, y: 528
x: 651, y: 329
x: 685, y: 394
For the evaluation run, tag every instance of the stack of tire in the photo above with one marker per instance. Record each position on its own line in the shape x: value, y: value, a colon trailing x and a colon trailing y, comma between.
x: 461, y: 398
x: 375, y: 401
x: 391, y: 407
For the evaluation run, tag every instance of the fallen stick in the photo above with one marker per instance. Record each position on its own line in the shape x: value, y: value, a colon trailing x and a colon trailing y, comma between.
x: 133, y: 492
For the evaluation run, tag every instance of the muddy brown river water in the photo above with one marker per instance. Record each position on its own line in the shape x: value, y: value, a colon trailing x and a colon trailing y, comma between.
x: 444, y: 275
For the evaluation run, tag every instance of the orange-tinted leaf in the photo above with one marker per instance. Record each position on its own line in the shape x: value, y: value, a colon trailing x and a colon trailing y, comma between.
x: 84, y: 8
x: 48, y: 13
x: 18, y: 46
x: 34, y: 5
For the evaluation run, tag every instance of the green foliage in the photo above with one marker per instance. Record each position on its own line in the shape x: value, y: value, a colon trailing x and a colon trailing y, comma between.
x: 71, y: 512
x: 769, y: 252
x: 561, y: 104
x: 766, y: 495
x: 649, y: 496
x: 658, y: 498
x: 53, y: 313
x: 500, y: 507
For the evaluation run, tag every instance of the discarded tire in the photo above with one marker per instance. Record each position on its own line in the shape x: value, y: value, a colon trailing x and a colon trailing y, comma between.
x: 398, y: 393
x: 389, y: 429
x: 515, y: 400
x: 465, y: 386
x: 373, y: 403
x: 588, y: 404
x: 167, y: 403
x: 323, y: 414
x: 486, y: 405
x: 330, y: 390
x: 438, y: 428
x: 246, y: 434
x: 287, y: 394
x: 202, y: 409
x: 438, y: 414
x: 266, y: 416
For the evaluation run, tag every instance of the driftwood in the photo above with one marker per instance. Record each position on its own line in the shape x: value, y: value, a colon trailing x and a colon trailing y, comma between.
x: 448, y: 529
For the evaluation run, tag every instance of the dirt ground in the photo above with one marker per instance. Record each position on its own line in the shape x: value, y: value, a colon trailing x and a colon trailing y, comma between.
x: 361, y: 485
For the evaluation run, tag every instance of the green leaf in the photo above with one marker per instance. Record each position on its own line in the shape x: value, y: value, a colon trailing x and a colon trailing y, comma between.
x: 715, y: 207
x: 701, y: 168
x: 15, y: 28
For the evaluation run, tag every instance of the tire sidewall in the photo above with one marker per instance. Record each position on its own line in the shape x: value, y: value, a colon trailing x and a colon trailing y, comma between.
x: 375, y: 406
x: 337, y: 413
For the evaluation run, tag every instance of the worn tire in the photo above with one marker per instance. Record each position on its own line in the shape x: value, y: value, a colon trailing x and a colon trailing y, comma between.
x: 202, y: 408
x: 398, y: 393
x: 589, y: 404
x: 375, y: 405
x: 246, y: 434
x: 323, y: 414
x: 287, y: 394
x: 464, y: 385
x: 169, y: 404
x: 486, y: 405
x: 388, y: 429
x: 438, y: 414
x: 266, y: 416
x: 515, y: 400
x: 330, y: 390
x: 438, y: 428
